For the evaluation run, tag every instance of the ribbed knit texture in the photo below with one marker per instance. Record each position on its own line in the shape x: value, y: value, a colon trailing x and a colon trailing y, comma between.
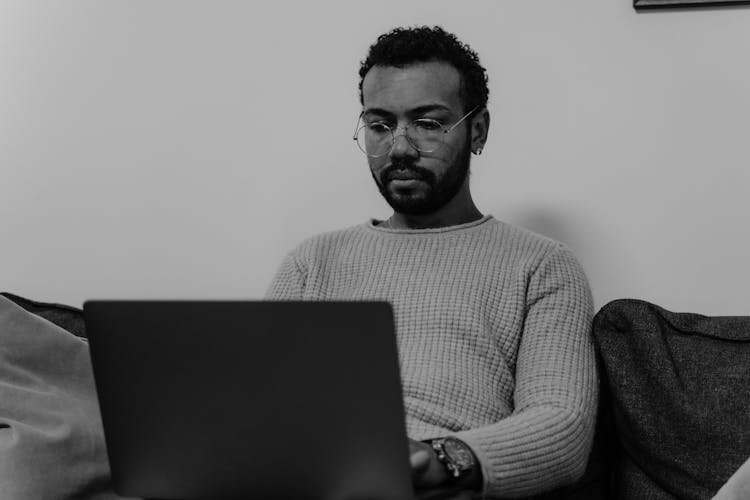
x: 493, y: 330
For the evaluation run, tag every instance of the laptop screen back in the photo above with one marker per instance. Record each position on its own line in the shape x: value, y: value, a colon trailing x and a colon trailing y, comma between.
x: 266, y: 400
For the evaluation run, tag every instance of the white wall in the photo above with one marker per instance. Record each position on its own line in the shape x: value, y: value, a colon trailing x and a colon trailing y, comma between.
x: 179, y: 149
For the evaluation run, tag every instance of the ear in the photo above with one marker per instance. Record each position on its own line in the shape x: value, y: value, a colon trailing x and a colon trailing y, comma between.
x: 480, y: 126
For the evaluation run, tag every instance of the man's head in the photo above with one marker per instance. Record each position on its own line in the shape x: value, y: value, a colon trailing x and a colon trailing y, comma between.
x: 406, y: 46
x: 410, y: 77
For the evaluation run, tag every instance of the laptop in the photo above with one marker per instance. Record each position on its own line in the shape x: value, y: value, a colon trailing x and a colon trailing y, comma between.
x: 250, y: 399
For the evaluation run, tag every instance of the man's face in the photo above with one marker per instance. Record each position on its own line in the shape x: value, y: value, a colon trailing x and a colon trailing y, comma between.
x: 414, y: 182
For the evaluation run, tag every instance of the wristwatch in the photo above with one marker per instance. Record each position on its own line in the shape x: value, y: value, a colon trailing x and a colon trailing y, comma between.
x: 455, y: 455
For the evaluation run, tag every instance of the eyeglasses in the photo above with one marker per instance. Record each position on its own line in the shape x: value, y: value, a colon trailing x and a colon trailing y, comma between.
x: 426, y: 135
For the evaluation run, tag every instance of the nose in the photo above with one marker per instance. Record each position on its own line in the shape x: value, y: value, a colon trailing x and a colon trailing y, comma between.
x: 402, y: 147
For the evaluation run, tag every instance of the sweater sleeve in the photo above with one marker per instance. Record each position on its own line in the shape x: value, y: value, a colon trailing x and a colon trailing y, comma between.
x: 289, y: 281
x: 545, y: 442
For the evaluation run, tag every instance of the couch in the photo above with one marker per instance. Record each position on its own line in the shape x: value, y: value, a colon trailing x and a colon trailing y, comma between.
x: 674, y: 412
x: 675, y: 400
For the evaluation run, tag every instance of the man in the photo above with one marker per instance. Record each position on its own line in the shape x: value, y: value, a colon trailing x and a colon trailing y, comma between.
x: 493, y: 321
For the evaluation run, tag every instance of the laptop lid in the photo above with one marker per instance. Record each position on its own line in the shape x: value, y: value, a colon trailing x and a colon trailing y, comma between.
x: 251, y: 399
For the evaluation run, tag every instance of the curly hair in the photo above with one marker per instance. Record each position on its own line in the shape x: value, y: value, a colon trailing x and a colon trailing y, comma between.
x: 403, y: 46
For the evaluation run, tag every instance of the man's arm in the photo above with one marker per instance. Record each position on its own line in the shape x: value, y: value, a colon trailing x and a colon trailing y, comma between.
x: 545, y: 442
x: 289, y: 281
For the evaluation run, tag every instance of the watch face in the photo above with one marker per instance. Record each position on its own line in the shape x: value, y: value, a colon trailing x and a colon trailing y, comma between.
x: 458, y: 452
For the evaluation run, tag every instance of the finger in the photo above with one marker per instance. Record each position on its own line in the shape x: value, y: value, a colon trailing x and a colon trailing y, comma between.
x: 420, y: 459
x: 415, y: 446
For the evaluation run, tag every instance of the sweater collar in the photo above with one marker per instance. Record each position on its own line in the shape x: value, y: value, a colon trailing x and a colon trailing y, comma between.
x: 375, y: 225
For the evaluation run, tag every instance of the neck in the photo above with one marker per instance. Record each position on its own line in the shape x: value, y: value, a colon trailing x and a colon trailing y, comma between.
x: 460, y: 210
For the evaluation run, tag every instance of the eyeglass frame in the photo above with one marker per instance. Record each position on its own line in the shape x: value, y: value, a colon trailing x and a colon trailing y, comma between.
x: 446, y: 130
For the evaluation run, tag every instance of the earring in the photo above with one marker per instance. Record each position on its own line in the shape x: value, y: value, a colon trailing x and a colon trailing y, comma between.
x: 478, y: 151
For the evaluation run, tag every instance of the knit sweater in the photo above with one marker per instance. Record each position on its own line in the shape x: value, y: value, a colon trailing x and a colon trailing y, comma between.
x: 493, y: 331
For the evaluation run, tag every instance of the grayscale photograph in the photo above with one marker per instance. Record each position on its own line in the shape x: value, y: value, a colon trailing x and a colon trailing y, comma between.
x: 336, y: 250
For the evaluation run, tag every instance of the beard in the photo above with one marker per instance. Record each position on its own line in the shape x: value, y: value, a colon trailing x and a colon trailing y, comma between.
x: 439, y: 190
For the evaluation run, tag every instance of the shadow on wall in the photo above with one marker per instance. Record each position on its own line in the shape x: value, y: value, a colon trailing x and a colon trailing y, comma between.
x: 550, y: 224
x: 592, y: 244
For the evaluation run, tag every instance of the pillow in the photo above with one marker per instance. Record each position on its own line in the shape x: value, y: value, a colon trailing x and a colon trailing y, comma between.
x: 51, y: 439
x: 678, y: 391
x: 67, y: 317
x: 738, y: 486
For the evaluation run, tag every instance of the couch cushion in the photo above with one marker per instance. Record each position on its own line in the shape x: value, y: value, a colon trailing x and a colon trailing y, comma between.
x: 678, y: 389
x: 51, y: 440
x: 66, y: 317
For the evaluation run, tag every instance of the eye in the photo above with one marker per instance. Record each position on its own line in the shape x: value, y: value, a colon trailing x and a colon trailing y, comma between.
x: 378, y: 128
x: 428, y: 125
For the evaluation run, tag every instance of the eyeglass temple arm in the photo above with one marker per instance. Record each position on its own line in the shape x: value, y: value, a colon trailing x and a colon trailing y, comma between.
x: 462, y: 119
x: 356, y: 127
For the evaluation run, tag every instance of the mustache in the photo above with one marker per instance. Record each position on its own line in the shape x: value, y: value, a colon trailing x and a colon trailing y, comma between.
x: 398, y: 169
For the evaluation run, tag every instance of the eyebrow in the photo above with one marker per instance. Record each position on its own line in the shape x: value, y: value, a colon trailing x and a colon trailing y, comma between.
x: 419, y: 110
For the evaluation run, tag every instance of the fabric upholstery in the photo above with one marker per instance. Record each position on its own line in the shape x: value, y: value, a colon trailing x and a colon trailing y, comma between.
x: 678, y: 389
x: 51, y: 439
x: 66, y: 317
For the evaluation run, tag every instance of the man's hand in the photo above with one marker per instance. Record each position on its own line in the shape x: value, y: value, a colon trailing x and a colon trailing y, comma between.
x: 429, y: 475
x: 426, y: 469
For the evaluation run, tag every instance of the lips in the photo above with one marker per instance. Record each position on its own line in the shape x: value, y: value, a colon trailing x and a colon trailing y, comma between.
x: 404, y: 176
